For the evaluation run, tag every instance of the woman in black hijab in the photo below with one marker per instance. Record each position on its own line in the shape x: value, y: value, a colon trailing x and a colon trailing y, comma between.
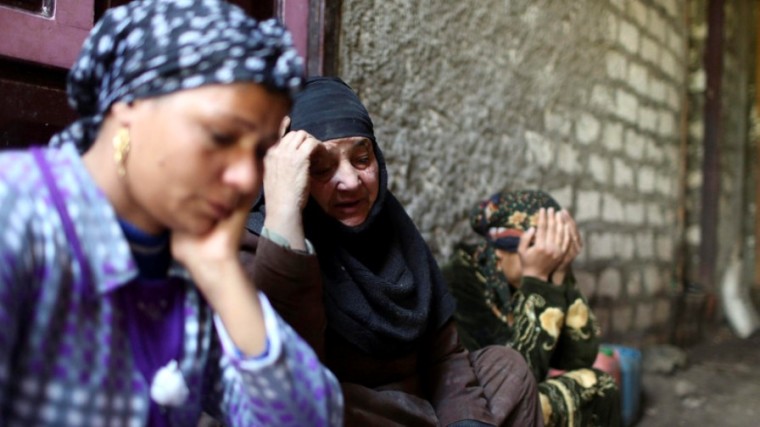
x: 382, y: 316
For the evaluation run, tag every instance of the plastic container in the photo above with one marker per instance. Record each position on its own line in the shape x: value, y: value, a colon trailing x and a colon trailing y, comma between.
x: 630, y: 389
x: 607, y: 361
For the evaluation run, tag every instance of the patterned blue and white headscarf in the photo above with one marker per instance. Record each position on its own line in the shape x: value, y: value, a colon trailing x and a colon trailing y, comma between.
x: 156, y: 47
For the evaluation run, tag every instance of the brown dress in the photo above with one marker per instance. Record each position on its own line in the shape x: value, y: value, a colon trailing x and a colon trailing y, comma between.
x: 440, y: 383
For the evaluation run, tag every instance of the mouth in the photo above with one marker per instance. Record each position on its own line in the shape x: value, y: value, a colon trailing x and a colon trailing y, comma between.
x: 348, y: 206
x: 220, y: 211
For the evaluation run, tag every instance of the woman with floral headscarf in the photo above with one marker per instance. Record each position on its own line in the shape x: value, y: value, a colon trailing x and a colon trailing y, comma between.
x: 122, y: 298
x: 517, y: 289
x: 377, y: 308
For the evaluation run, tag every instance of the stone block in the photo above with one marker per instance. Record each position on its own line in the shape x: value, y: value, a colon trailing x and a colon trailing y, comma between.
x: 644, y: 317
x: 662, y: 312
x: 586, y: 283
x: 625, y: 247
x: 610, y: 284
x: 657, y: 26
x: 674, y: 98
x: 644, y: 244
x: 556, y: 122
x: 622, y: 173
x: 540, y: 150
x: 638, y: 78
x: 657, y: 89
x: 672, y: 7
x: 629, y: 36
x: 633, y: 287
x: 665, y: 248
x: 652, y: 280
x: 564, y: 196
x: 602, y: 97
x: 634, y: 144
x: 639, y: 12
x: 646, y: 179
x: 617, y: 65
x: 612, y: 138
x: 668, y: 124
x: 601, y: 246
x: 666, y: 182
x: 655, y: 152
x: 599, y: 168
x: 567, y: 157
x: 587, y: 128
x: 654, y: 215
x: 613, y: 26
x: 612, y: 209
x: 675, y: 41
x: 670, y: 65
x: 588, y: 206
x: 627, y: 105
x: 650, y: 50
x: 622, y: 319
x: 635, y: 213
x: 648, y: 119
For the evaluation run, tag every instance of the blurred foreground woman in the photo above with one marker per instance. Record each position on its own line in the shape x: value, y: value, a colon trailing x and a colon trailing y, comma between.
x: 121, y: 296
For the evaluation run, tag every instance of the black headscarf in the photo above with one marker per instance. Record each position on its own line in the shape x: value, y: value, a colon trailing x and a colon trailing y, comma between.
x: 383, y: 288
x: 156, y: 47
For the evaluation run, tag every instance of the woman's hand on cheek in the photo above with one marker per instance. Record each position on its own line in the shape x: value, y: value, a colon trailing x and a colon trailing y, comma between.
x: 286, y: 185
x: 212, y: 260
x: 212, y: 256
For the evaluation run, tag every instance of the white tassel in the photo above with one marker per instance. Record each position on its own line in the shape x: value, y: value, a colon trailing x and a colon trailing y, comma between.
x: 168, y: 387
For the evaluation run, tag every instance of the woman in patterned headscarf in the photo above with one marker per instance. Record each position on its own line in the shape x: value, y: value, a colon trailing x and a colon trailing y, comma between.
x: 121, y: 295
x: 379, y: 310
x: 517, y: 289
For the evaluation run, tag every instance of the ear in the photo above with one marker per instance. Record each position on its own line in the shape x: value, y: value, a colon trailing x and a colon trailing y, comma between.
x: 123, y: 113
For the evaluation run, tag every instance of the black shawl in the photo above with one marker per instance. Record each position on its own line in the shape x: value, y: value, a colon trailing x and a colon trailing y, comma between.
x: 383, y: 288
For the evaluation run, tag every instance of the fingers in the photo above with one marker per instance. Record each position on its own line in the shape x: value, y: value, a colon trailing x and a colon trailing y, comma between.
x: 541, y: 226
x: 284, y: 125
x: 525, y: 240
x: 575, y: 235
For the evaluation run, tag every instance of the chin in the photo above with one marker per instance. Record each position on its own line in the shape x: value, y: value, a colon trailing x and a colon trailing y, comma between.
x: 353, y: 221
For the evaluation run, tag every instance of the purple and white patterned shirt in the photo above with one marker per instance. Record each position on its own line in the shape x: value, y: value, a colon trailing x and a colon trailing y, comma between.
x: 65, y: 357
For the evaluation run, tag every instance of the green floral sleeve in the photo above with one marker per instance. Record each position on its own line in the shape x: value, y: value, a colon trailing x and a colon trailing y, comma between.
x: 553, y: 326
x: 539, y: 316
x: 579, y: 341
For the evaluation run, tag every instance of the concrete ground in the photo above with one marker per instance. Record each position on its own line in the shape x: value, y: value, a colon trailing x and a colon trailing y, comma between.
x: 719, y: 387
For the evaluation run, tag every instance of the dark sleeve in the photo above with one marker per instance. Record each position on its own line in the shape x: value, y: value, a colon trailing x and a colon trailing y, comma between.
x: 451, y: 383
x: 293, y: 283
x: 579, y: 340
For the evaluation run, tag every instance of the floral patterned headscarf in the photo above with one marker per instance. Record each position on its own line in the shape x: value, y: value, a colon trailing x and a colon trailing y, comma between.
x: 505, y: 216
x: 155, y: 47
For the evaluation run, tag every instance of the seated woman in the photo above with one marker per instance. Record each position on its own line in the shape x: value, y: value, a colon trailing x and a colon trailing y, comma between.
x: 179, y: 102
x: 517, y: 289
x: 379, y: 311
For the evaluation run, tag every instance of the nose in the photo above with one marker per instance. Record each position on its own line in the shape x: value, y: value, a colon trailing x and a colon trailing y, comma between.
x: 243, y: 174
x: 347, y: 177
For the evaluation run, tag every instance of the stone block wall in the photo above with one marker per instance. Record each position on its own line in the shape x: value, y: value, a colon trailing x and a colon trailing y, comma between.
x: 736, y: 201
x: 582, y: 99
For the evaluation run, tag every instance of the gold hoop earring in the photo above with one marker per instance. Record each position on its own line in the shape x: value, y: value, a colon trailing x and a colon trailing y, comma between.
x: 121, y: 149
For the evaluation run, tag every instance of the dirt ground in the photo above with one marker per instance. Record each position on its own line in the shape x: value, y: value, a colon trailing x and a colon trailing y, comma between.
x: 719, y: 387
